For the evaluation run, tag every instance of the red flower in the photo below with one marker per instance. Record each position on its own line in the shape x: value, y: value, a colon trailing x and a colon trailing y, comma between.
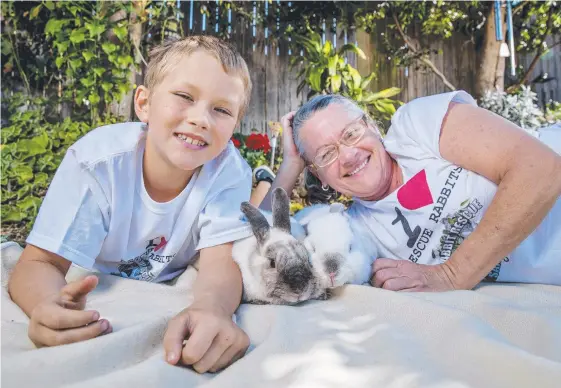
x: 236, y: 142
x: 258, y: 142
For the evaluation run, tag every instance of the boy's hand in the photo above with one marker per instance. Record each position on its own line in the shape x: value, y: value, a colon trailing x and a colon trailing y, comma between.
x: 214, y: 342
x: 60, y: 320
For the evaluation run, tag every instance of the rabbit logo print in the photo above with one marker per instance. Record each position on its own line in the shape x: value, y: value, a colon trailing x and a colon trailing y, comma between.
x: 140, y: 267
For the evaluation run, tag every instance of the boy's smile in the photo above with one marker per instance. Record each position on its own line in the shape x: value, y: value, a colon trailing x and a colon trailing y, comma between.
x: 191, y: 141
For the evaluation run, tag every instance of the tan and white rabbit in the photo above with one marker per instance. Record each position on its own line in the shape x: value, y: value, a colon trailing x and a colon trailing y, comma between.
x: 275, y: 266
x: 337, y: 253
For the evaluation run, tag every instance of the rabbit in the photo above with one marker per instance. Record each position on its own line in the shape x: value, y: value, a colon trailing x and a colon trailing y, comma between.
x: 337, y: 253
x: 275, y: 266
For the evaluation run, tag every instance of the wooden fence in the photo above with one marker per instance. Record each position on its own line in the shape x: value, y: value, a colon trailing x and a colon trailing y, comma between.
x: 274, y: 91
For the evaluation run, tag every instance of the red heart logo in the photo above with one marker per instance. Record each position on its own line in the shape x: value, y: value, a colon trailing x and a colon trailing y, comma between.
x: 415, y: 193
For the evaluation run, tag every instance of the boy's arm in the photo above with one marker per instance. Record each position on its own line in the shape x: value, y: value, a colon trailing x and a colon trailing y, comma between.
x: 37, y: 275
x: 219, y: 282
x: 38, y: 286
x: 214, y: 341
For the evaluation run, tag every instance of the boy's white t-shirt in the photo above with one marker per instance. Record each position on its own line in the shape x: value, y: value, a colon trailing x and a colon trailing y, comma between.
x: 440, y: 204
x: 98, y: 215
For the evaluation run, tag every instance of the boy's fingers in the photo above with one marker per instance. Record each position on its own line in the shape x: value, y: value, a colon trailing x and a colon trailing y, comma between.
x: 176, y: 332
x: 219, y: 346
x: 198, y: 344
x: 56, y: 317
x: 80, y: 288
x: 231, y: 355
x: 48, y: 337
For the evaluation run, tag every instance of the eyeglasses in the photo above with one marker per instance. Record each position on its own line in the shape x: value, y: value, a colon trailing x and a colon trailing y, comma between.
x: 350, y: 136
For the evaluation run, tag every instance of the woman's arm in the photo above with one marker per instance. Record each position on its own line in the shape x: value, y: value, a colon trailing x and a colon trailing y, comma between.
x: 292, y: 164
x: 528, y: 175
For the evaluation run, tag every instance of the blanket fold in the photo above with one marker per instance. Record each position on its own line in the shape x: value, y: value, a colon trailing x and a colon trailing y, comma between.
x: 499, y: 335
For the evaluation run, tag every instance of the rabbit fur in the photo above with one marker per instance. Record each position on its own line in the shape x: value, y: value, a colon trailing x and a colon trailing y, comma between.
x: 337, y: 254
x: 275, y: 265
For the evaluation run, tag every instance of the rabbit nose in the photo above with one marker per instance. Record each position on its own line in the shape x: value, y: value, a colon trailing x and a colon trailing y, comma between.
x: 297, y: 278
x: 331, y: 262
x: 331, y: 265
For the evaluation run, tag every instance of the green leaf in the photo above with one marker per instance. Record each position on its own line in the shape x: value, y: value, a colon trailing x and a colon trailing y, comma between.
x: 335, y: 83
x: 87, y: 82
x: 95, y: 29
x: 77, y: 36
x: 386, y: 93
x: 106, y: 86
x: 99, y: 71
x: 351, y: 47
x: 121, y: 33
x: 50, y: 6
x: 315, y: 79
x: 355, y: 76
x: 24, y: 191
x: 54, y: 25
x: 88, y: 55
x: 75, y: 63
x: 23, y: 172
x: 62, y: 46
x: 35, y: 146
x: 94, y: 98
x: 28, y: 203
x: 108, y: 47
x: 332, y: 65
x: 59, y: 61
x: 35, y: 11
x: 40, y: 179
x: 12, y: 214
x: 366, y: 81
x: 326, y: 50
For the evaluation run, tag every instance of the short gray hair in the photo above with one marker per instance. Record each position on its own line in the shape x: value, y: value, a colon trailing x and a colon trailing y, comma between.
x: 316, y: 104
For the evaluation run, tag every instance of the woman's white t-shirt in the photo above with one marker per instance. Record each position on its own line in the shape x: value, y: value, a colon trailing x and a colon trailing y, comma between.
x: 440, y: 204
x: 98, y: 215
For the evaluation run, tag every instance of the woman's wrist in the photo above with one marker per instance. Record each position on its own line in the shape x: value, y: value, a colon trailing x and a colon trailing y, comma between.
x: 295, y: 166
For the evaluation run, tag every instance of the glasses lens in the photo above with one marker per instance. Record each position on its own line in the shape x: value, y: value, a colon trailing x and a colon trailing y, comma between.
x: 325, y: 156
x: 352, y: 134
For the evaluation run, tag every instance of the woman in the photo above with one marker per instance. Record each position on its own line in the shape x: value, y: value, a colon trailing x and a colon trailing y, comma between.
x: 455, y: 192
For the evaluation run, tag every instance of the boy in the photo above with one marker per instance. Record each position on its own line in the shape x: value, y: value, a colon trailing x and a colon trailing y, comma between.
x: 138, y: 200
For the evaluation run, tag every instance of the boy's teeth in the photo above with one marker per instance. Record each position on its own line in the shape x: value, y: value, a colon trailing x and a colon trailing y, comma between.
x: 190, y: 140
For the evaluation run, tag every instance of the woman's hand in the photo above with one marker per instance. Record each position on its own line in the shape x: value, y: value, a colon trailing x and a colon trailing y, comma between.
x: 403, y: 275
x: 290, y: 152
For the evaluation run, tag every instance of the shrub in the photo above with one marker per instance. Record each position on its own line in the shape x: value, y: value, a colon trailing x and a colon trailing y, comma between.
x: 521, y: 108
x: 32, y: 149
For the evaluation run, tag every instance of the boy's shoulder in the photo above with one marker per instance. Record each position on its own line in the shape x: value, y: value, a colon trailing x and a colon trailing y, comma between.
x: 108, y: 141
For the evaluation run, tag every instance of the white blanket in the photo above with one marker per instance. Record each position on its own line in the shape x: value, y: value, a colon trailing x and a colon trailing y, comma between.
x: 500, y: 335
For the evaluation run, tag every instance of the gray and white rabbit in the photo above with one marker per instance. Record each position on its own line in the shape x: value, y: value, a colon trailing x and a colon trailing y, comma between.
x: 337, y: 252
x: 275, y: 266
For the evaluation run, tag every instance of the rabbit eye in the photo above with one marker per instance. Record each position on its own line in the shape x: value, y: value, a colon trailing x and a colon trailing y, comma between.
x: 272, y: 263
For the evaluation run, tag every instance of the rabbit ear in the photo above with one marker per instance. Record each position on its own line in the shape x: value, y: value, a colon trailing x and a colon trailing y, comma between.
x: 258, y: 222
x: 281, y: 210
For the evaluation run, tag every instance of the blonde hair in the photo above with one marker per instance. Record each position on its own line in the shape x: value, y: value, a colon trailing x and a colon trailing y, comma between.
x: 165, y: 56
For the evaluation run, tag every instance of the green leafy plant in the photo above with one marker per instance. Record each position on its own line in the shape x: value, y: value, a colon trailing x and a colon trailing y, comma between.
x: 325, y: 71
x: 32, y: 150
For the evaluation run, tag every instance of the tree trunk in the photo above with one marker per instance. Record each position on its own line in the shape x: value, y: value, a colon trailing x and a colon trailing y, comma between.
x: 490, y: 74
